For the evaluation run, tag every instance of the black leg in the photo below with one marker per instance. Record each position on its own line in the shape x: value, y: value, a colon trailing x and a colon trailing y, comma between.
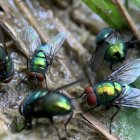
x: 88, y: 110
x: 51, y: 120
x: 71, y: 2
x: 111, y: 66
x: 77, y: 97
x: 36, y: 121
x: 57, y: 130
x: 66, y: 124
x: 29, y: 123
x: 133, y: 44
x: 118, y: 108
x: 21, y: 82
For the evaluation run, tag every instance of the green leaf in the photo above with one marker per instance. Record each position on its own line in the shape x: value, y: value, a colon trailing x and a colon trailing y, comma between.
x: 136, y: 2
x: 108, y: 12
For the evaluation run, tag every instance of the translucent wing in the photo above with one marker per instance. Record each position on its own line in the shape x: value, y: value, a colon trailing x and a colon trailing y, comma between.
x: 53, y: 46
x: 98, y: 56
x: 127, y: 73
x: 129, y: 98
x: 119, y: 36
x: 30, y: 39
x: 56, y: 43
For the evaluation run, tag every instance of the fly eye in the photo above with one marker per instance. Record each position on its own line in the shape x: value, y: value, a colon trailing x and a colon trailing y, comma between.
x: 40, y: 77
x: 31, y: 75
x: 88, y: 90
x: 91, y: 100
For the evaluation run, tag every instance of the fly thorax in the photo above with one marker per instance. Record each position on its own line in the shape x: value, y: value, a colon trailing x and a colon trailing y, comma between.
x: 106, y: 91
x: 38, y: 63
x: 116, y: 52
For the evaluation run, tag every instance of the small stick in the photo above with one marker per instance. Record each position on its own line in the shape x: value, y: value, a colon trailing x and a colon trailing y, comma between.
x: 8, y: 28
x: 71, y: 42
x: 28, y: 15
x: 99, y: 127
x: 128, y: 18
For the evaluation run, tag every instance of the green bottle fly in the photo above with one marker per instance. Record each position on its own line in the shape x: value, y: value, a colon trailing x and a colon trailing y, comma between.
x: 112, y: 46
x: 40, y: 55
x: 116, y: 89
x: 6, y: 64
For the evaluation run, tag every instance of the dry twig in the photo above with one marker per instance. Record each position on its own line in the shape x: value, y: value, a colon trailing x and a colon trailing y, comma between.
x: 128, y: 18
x: 99, y: 127
x: 28, y: 15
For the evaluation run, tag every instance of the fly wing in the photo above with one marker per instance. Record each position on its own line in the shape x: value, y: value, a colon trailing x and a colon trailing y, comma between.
x: 129, y: 98
x: 30, y: 38
x: 55, y: 44
x: 98, y: 56
x: 127, y: 73
x: 119, y: 36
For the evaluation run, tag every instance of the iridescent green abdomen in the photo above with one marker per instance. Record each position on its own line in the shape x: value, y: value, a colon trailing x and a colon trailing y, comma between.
x: 38, y: 63
x: 116, y: 52
x: 57, y: 104
x: 6, y: 66
x: 106, y: 92
x: 44, y: 104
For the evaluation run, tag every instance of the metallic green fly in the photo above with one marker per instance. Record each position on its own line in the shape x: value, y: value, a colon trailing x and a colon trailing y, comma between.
x: 41, y: 56
x: 115, y: 90
x: 6, y: 64
x: 112, y: 46
x: 47, y: 104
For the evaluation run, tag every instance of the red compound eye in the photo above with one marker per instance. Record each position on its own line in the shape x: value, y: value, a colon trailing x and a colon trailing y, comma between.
x: 31, y: 75
x: 91, y: 99
x: 88, y: 90
x: 40, y: 77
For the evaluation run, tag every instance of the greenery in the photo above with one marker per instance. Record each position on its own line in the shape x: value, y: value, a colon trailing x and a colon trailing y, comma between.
x: 107, y: 11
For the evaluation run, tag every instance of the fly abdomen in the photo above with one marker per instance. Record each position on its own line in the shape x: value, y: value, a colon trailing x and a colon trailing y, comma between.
x: 116, y: 52
x: 6, y: 68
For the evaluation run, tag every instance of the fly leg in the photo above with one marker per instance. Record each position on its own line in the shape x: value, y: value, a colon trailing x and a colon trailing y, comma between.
x: 51, y: 120
x: 133, y: 44
x: 71, y: 2
x: 111, y: 67
x: 88, y: 110
x: 29, y: 123
x: 66, y: 124
x: 20, y: 82
x: 118, y: 108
